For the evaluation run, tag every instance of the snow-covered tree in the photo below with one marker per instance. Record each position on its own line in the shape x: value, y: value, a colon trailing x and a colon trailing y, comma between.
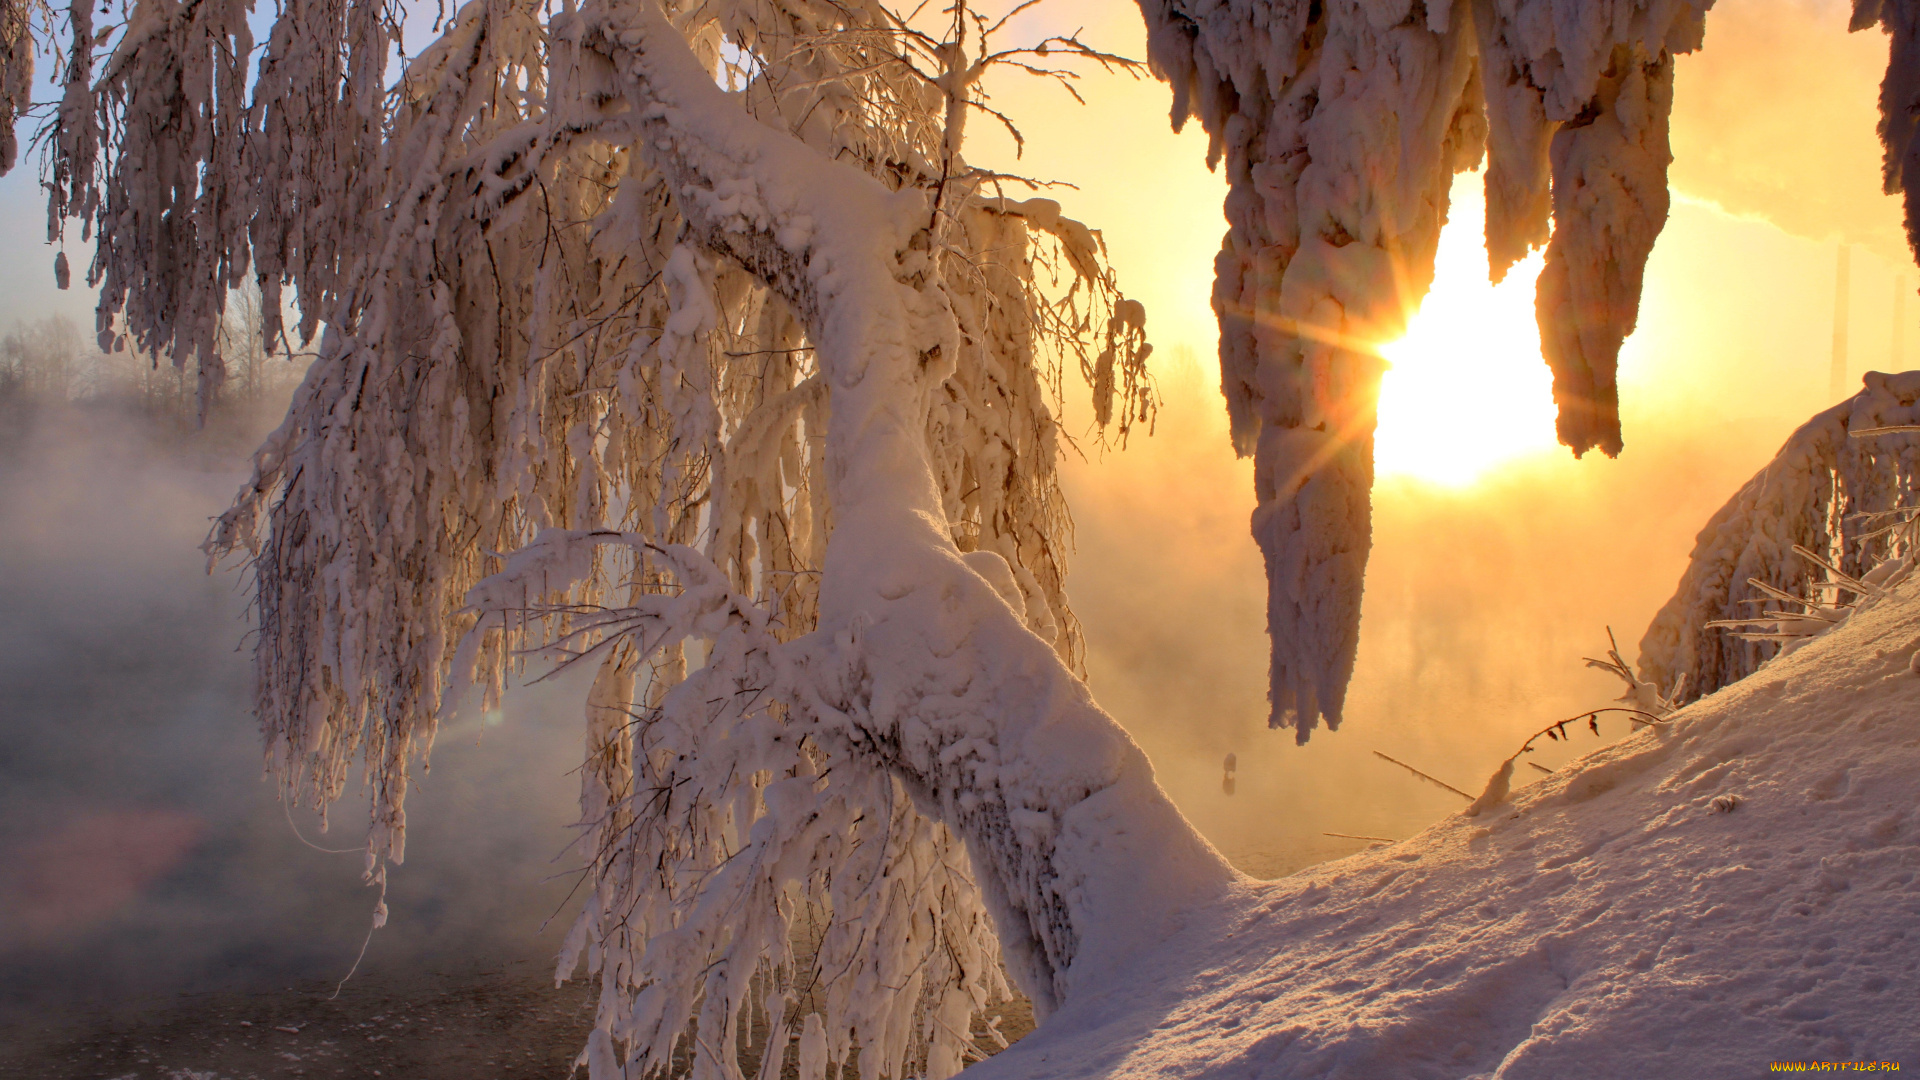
x: 703, y: 313
x: 699, y: 315
x: 39, y: 359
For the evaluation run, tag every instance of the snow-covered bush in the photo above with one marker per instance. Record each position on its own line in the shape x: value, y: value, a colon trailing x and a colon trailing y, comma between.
x: 1823, y: 527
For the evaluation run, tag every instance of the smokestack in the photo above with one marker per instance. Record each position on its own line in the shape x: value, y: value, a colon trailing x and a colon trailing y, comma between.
x: 1838, y: 386
x: 1897, y: 358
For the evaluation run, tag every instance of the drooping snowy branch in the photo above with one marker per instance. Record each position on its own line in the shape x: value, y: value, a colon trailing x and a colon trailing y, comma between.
x: 769, y: 369
x: 16, y: 70
x: 170, y: 103
x: 1825, y: 494
x: 1342, y: 124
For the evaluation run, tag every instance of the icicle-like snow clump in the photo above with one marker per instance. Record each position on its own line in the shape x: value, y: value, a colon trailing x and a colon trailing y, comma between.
x: 1342, y: 123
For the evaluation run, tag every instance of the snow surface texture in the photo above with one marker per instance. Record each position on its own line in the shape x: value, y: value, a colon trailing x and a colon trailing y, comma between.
x: 1739, y: 887
x: 1342, y: 124
x: 1841, y: 497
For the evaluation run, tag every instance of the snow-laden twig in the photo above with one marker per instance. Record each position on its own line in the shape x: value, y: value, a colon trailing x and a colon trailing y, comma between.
x: 1416, y: 772
x: 17, y: 19
x: 1643, y: 694
x: 1499, y: 785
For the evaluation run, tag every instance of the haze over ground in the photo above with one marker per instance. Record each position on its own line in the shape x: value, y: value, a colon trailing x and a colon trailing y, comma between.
x: 1481, y: 598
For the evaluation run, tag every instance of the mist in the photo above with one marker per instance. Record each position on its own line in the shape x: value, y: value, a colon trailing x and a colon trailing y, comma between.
x: 145, y: 857
x: 1776, y: 118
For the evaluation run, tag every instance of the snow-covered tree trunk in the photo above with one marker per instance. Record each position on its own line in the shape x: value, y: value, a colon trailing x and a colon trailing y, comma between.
x: 938, y: 680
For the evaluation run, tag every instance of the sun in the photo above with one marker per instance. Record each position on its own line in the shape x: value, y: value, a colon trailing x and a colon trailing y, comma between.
x: 1466, y: 390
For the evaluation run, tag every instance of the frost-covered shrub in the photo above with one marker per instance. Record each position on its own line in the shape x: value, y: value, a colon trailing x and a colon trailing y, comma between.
x: 1819, y: 529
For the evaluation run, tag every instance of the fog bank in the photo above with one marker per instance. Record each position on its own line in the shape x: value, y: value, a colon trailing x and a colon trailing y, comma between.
x: 145, y: 858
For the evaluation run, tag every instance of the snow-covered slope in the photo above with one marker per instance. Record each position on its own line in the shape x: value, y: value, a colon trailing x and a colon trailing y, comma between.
x: 1612, y: 921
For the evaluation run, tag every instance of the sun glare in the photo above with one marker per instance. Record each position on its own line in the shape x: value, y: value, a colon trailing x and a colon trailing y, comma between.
x: 1466, y: 389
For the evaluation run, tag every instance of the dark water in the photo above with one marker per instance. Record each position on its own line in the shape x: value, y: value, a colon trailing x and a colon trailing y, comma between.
x: 141, y: 856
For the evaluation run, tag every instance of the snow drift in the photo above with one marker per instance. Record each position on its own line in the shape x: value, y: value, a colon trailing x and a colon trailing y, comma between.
x: 1701, y: 899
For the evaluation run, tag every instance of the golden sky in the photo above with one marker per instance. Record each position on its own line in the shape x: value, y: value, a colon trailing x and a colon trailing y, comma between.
x: 1775, y: 119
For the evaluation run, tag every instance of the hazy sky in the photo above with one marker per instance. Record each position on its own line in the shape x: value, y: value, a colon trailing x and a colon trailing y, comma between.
x: 26, y: 267
x: 1482, y: 596
x: 1775, y: 118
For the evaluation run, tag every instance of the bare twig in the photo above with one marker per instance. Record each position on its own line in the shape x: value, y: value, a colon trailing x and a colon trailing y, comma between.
x: 1423, y: 776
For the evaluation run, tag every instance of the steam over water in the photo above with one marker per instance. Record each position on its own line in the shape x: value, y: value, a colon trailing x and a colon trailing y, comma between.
x: 141, y: 855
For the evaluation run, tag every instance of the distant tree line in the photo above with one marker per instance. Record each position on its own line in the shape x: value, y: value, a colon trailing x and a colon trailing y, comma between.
x: 53, y: 360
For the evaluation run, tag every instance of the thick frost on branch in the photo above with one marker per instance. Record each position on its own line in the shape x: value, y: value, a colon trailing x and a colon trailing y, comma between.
x: 1827, y: 493
x: 1342, y: 124
x: 170, y: 103
x: 16, y: 71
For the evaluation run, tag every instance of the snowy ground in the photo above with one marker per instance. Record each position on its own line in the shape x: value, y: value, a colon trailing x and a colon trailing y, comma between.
x: 1613, y: 921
